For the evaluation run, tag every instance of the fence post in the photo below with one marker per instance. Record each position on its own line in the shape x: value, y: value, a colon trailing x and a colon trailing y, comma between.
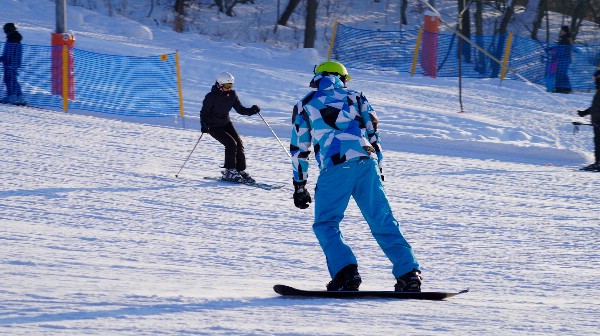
x: 506, y: 56
x: 65, y: 76
x: 430, y: 44
x: 179, y: 91
x: 335, y: 23
x: 416, y: 53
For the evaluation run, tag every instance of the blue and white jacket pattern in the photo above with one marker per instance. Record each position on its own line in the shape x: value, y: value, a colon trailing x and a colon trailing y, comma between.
x: 338, y: 123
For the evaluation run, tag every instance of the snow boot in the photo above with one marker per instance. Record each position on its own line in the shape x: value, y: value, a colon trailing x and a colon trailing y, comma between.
x: 409, y: 282
x: 247, y: 178
x: 232, y: 175
x: 347, y: 279
x: 593, y: 167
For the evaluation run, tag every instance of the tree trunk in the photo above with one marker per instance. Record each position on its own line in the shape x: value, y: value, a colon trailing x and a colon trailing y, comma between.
x: 179, y: 22
x: 539, y: 16
x: 310, y: 31
x: 403, y: 7
x: 481, y: 57
x: 509, y: 10
x: 579, y: 12
x: 288, y: 12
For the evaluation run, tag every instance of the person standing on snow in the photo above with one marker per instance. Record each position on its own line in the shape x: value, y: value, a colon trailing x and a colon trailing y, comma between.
x: 11, y: 59
x: 214, y: 120
x: 563, y: 56
x: 594, y: 112
x: 341, y: 126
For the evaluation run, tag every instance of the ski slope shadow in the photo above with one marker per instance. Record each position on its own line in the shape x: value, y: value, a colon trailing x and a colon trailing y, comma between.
x: 87, y: 311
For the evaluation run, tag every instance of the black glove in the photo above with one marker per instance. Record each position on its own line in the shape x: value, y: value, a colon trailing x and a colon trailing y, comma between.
x: 203, y: 129
x: 581, y: 113
x: 381, y: 174
x: 254, y: 109
x: 301, y: 195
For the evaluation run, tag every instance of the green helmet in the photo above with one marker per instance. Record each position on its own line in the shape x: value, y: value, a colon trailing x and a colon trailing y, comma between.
x: 333, y: 68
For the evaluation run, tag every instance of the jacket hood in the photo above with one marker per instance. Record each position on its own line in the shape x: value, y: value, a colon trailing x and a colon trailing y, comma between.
x: 327, y: 82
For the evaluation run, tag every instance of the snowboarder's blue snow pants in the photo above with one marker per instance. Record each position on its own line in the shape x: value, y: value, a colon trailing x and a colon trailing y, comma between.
x: 361, y: 180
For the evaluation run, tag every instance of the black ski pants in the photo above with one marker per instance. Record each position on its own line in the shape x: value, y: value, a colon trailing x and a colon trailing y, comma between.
x: 597, y: 143
x: 234, y: 147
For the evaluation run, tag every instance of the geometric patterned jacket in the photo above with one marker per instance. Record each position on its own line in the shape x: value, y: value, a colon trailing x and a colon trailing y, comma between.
x: 338, y: 123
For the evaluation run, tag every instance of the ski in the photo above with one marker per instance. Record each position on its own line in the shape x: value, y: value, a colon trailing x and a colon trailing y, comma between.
x: 367, y: 294
x: 265, y: 186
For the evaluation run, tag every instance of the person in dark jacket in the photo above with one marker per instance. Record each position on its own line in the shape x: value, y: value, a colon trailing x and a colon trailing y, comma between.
x: 11, y: 59
x: 214, y: 120
x: 563, y: 56
x: 594, y: 112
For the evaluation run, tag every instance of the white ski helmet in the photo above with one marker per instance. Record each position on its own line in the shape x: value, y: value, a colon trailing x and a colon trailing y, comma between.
x: 225, y: 78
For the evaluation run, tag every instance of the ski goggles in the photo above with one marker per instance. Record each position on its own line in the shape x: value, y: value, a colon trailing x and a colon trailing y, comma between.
x: 227, y: 86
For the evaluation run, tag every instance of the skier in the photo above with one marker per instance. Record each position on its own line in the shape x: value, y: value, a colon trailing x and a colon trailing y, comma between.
x: 11, y: 59
x: 596, y: 78
x: 341, y: 126
x: 214, y: 120
x: 594, y: 111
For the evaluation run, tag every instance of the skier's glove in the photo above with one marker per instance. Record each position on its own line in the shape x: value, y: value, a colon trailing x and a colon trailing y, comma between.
x: 581, y: 113
x: 254, y: 109
x: 203, y: 129
x: 301, y: 195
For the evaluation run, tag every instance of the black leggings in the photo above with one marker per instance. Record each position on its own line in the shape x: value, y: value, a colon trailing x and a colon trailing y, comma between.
x: 234, y: 148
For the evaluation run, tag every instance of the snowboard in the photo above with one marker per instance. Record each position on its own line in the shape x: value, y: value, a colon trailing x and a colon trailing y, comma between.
x: 366, y: 294
x: 261, y: 185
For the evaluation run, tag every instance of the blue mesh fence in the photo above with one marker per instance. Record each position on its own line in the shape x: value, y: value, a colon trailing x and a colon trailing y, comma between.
x: 549, y: 65
x: 124, y: 85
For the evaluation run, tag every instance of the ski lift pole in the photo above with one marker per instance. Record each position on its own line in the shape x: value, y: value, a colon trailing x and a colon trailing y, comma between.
x: 186, y: 160
x: 276, y: 137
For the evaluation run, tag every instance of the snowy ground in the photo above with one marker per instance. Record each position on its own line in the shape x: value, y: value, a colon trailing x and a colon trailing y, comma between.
x: 100, y: 238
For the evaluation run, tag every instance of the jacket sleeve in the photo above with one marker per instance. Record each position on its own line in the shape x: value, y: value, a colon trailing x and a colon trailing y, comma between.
x: 300, y: 143
x: 372, y: 126
x: 207, y: 106
x: 238, y: 107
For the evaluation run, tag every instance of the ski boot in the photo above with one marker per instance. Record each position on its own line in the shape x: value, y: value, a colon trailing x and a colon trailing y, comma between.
x: 593, y: 167
x: 347, y: 279
x: 247, y: 178
x: 232, y: 175
x: 409, y: 282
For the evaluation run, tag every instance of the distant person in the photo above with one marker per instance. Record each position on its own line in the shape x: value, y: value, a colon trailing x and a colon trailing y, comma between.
x: 563, y: 60
x: 342, y: 128
x: 214, y: 120
x: 596, y: 78
x: 594, y: 112
x: 11, y: 59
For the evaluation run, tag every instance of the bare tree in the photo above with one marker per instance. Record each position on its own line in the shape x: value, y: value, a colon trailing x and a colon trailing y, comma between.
x: 289, y: 9
x: 508, y: 12
x: 310, y: 32
x: 179, y: 22
x: 403, y: 7
x: 579, y: 13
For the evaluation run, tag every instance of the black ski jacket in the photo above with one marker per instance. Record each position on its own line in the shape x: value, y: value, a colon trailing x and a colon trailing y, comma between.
x: 594, y: 110
x: 216, y: 107
x: 13, y: 51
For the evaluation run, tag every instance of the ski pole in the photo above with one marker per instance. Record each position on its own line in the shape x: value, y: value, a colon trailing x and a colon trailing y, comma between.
x: 186, y: 160
x: 286, y: 151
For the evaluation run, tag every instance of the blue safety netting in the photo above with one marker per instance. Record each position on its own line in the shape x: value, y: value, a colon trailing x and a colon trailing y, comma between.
x: 124, y: 85
x: 550, y: 65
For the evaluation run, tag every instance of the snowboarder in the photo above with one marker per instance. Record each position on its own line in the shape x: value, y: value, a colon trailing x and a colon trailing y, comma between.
x: 594, y: 111
x: 214, y: 120
x: 341, y: 126
x: 11, y: 59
